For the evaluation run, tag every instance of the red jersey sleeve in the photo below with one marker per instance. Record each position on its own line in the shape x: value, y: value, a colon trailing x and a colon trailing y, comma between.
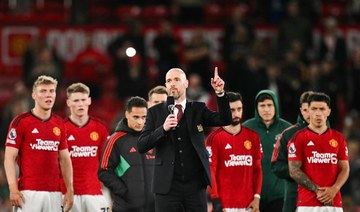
x: 295, y: 148
x: 15, y: 133
x: 258, y: 148
x: 258, y: 175
x: 211, y: 146
x: 63, y: 139
x: 343, y: 150
x: 104, y: 136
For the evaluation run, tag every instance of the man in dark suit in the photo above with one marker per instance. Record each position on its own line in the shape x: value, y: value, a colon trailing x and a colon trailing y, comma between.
x: 182, y: 169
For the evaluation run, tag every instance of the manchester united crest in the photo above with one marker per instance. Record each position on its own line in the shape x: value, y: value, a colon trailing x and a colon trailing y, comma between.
x: 56, y: 131
x: 94, y: 136
x: 247, y: 144
x: 333, y: 143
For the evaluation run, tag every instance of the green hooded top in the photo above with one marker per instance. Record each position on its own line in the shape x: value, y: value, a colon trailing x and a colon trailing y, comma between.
x: 279, y: 162
x: 280, y: 167
x: 273, y: 187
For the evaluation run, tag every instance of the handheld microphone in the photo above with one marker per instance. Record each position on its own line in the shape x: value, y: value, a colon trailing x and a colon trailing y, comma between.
x: 170, y: 102
x: 171, y: 109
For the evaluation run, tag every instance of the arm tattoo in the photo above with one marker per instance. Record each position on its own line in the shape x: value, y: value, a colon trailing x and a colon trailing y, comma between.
x: 300, y: 177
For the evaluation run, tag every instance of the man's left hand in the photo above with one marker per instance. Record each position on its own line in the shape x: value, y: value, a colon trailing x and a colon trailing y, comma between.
x: 254, y: 205
x: 217, y: 83
x: 68, y: 201
x: 326, y: 195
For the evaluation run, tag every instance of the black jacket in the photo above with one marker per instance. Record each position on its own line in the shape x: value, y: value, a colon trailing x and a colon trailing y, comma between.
x: 153, y: 135
x: 127, y: 173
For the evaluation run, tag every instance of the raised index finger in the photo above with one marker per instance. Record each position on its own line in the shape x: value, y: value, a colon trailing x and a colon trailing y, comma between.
x: 216, y: 72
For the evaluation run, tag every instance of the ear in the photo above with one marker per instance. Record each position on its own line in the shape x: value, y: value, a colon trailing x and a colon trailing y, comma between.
x: 329, y: 112
x: 126, y: 114
x: 186, y: 83
x: 90, y: 101
x: 33, y: 95
x: 68, y: 102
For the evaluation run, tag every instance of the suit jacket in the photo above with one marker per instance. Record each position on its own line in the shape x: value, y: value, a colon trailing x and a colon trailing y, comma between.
x: 153, y: 135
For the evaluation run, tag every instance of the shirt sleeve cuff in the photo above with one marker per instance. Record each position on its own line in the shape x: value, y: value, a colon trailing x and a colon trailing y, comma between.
x: 220, y: 94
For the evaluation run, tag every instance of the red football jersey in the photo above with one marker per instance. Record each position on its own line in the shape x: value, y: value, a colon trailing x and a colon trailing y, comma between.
x: 231, y: 162
x: 319, y: 154
x: 85, y: 146
x: 39, y: 143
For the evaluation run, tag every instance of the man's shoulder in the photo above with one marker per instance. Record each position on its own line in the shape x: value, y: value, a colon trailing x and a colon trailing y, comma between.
x: 290, y: 131
x: 196, y: 103
x: 250, y: 123
x: 158, y: 107
x: 284, y: 123
x: 19, y: 118
x: 195, y: 106
x: 249, y: 131
x: 56, y: 117
x: 118, y: 136
x: 216, y: 132
x: 99, y: 122
x: 335, y: 132
x: 299, y: 134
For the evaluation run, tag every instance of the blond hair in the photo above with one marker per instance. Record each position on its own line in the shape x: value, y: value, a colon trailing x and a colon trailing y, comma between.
x: 77, y: 88
x: 158, y: 90
x: 44, y: 80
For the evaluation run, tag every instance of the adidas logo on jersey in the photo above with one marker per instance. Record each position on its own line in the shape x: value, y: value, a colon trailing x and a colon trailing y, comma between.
x: 34, y: 131
x: 132, y: 149
x: 71, y: 138
x: 310, y: 143
x: 228, y: 146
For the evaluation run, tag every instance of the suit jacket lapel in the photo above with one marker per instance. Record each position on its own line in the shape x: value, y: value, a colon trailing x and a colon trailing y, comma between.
x: 188, y: 115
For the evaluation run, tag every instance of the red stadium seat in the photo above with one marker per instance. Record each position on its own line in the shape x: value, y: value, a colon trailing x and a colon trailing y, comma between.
x: 19, y: 19
x: 50, y: 6
x: 230, y: 9
x: 101, y: 15
x: 213, y: 14
x: 59, y: 18
x: 155, y: 13
x: 126, y: 12
x: 336, y: 10
x: 50, y: 12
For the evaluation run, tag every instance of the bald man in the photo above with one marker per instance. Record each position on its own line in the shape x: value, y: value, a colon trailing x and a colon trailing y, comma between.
x: 176, y: 132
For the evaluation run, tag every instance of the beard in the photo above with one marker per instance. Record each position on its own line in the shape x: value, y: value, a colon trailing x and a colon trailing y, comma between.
x: 175, y: 94
x: 235, y: 121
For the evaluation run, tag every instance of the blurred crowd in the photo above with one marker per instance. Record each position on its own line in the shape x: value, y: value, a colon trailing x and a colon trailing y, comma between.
x: 290, y: 65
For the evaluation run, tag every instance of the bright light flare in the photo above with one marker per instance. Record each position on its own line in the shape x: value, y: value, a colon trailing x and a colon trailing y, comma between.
x: 130, y: 52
